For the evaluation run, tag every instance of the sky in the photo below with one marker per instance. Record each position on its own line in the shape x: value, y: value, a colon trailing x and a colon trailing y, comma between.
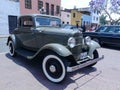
x: 69, y: 4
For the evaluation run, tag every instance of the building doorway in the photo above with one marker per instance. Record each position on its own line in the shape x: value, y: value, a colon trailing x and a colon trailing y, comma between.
x: 12, y: 21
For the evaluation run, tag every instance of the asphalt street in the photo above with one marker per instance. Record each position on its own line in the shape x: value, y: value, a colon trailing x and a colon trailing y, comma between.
x: 3, y: 47
x: 19, y: 74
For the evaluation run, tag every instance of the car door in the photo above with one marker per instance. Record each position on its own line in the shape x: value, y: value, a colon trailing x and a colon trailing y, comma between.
x: 26, y: 33
x: 116, y: 35
x: 107, y: 35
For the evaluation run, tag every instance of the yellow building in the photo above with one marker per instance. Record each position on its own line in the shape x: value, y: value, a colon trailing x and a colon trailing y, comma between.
x: 76, y: 17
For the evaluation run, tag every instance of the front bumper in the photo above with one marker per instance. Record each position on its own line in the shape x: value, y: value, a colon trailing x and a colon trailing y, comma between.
x: 73, y: 68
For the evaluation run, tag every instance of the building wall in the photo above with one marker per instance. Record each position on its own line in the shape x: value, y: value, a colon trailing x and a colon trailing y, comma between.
x: 75, y: 17
x: 66, y: 17
x: 95, y: 17
x: 34, y: 9
x: 86, y: 19
x: 7, y: 8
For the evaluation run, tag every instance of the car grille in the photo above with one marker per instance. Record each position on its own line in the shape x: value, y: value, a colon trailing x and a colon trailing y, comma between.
x: 79, y: 48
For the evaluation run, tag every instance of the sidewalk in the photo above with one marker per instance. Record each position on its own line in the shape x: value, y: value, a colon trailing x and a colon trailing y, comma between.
x: 4, y: 36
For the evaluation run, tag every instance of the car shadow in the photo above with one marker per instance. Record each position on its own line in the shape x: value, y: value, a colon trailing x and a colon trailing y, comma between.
x: 36, y: 71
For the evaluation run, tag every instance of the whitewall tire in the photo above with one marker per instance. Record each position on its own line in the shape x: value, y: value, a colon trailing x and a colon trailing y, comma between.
x: 11, y: 48
x: 54, y: 68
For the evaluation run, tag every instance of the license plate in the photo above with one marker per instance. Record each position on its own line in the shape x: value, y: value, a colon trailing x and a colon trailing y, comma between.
x: 83, y: 55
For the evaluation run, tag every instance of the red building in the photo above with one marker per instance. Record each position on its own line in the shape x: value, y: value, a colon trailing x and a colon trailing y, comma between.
x: 51, y: 7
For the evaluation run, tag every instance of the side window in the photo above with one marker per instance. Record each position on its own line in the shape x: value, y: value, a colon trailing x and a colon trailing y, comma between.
x: 102, y: 29
x: 117, y: 29
x: 26, y: 22
x: 111, y: 29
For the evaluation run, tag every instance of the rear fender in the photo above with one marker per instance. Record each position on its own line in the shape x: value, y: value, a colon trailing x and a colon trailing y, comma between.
x: 11, y: 37
x: 14, y: 40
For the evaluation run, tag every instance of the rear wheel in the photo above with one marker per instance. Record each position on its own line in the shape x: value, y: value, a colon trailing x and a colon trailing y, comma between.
x: 54, y: 68
x: 95, y: 55
x: 11, y: 48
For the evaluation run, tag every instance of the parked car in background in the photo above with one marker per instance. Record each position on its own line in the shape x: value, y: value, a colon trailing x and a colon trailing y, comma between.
x: 106, y: 35
x: 72, y: 27
x: 39, y: 37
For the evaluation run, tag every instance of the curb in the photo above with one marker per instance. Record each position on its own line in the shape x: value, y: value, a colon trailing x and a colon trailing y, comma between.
x: 4, y: 36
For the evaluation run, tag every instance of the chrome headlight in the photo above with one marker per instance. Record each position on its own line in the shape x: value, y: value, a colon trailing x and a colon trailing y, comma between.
x: 87, y: 40
x: 71, y: 42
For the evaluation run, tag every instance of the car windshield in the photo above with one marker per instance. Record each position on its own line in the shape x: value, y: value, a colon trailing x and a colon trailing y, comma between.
x: 102, y: 29
x: 47, y: 21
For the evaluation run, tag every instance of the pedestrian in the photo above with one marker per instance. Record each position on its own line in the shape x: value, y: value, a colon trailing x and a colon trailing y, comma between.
x: 84, y: 28
x: 77, y: 25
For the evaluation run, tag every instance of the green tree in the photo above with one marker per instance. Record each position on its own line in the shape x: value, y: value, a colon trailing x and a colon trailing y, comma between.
x: 107, y: 7
x: 103, y: 19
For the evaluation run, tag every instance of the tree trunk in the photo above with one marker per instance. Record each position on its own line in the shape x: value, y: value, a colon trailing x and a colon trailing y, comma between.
x: 108, y: 15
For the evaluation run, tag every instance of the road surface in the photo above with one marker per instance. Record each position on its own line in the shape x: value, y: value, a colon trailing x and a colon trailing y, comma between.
x: 18, y: 74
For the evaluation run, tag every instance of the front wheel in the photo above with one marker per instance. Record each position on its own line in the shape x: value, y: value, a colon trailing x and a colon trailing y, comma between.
x: 11, y: 48
x: 95, y: 55
x: 54, y: 68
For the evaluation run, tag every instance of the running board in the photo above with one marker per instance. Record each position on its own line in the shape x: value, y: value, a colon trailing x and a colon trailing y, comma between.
x: 74, y: 68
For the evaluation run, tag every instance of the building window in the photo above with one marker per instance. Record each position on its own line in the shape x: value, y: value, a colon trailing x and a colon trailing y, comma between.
x: 52, y: 9
x: 67, y: 22
x: 28, y: 4
x: 73, y: 15
x: 97, y: 19
x: 97, y: 12
x: 40, y: 4
x: 47, y: 8
x: 57, y: 9
x: 68, y: 15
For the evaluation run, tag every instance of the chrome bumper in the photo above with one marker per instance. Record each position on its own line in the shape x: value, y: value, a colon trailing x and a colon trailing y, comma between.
x: 73, y: 68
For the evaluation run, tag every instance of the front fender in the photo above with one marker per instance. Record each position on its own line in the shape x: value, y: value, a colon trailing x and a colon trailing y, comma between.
x: 59, y: 49
x: 92, y: 46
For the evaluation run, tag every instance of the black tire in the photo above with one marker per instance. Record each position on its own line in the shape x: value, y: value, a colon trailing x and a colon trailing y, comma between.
x: 95, y: 55
x: 54, y: 68
x: 11, y: 48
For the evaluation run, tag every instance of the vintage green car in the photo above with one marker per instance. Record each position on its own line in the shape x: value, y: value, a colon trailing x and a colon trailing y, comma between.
x: 40, y: 37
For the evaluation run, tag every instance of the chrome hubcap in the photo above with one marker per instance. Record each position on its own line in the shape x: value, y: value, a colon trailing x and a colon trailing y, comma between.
x: 52, y: 68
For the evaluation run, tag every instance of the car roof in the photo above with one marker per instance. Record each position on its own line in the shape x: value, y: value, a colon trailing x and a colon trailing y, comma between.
x: 109, y: 25
x: 34, y: 15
